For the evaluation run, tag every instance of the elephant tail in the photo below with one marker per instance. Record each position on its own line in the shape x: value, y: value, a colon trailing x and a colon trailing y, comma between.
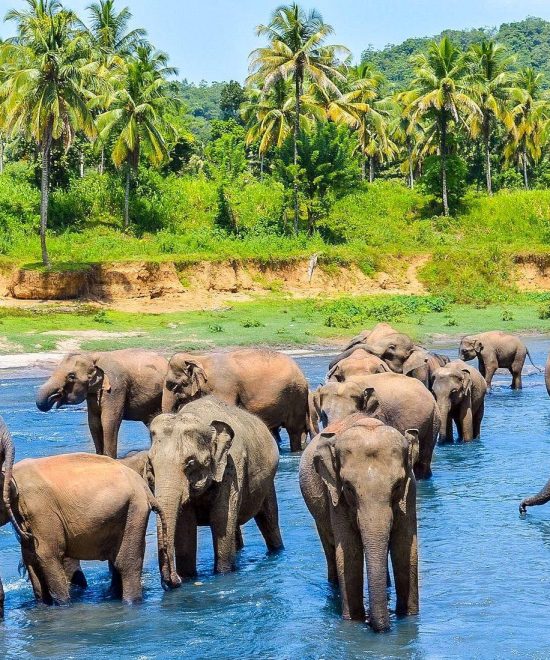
x: 531, y: 361
x: 163, y: 536
x: 7, y: 453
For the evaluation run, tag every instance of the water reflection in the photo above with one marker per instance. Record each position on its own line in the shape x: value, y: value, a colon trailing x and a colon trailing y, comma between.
x: 485, y: 572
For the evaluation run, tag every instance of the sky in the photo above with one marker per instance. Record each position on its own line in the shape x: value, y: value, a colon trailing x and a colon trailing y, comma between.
x: 211, y: 39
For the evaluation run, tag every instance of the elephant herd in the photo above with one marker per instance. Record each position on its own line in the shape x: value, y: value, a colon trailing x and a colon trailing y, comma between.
x: 214, y: 423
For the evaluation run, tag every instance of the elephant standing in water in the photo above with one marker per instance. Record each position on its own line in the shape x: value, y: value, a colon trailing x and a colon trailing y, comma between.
x: 358, y: 483
x: 75, y: 507
x: 116, y: 385
x: 459, y: 390
x: 394, y: 399
x: 213, y: 464
x: 496, y: 350
x: 266, y: 383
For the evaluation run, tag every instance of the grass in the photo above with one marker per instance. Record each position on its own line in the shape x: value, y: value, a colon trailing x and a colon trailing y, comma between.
x: 271, y: 322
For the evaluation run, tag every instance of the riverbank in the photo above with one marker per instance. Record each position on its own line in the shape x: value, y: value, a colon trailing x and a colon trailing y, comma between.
x: 41, y: 333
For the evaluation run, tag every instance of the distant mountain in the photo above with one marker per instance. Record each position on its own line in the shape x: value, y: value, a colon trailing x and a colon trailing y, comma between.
x: 529, y: 40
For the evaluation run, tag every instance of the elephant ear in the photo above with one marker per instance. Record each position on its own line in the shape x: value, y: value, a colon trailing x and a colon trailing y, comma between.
x: 316, y: 400
x: 478, y: 346
x: 98, y: 379
x: 371, y: 403
x: 325, y: 464
x: 197, y: 377
x: 222, y: 437
x: 467, y: 382
x: 336, y: 373
x: 412, y: 436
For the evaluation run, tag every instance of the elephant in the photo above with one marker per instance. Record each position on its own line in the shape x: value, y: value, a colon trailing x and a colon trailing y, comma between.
x: 379, y: 332
x: 541, y: 497
x: 459, y: 390
x: 422, y: 365
x: 395, y: 400
x: 496, y: 350
x: 266, y: 383
x: 74, y: 507
x: 7, y: 456
x: 213, y: 464
x: 116, y: 385
x: 358, y: 483
x: 359, y: 363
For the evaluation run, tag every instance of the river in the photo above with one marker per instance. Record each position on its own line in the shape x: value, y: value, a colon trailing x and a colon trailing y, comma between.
x: 484, y: 571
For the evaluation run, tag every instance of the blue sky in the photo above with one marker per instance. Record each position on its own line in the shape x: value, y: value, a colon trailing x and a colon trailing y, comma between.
x: 211, y: 39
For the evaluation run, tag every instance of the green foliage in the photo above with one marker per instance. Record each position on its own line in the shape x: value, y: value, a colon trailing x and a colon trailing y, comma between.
x: 231, y: 99
x: 457, y: 170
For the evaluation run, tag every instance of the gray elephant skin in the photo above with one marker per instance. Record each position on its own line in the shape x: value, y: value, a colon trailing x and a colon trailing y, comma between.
x: 116, y: 385
x: 359, y: 363
x: 496, y: 350
x: 422, y: 365
x: 459, y: 390
x: 74, y: 507
x: 213, y: 464
x: 357, y: 480
x: 542, y: 497
x: 394, y: 399
x: 266, y: 383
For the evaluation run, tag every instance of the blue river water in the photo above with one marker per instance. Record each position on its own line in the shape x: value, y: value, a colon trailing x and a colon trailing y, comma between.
x: 484, y: 571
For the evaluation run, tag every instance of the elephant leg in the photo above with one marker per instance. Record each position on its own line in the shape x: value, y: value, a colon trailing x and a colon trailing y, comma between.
x: 186, y: 543
x: 267, y: 520
x: 239, y: 541
x: 74, y: 573
x: 275, y: 433
x: 404, y: 555
x: 94, y: 423
x: 490, y: 370
x: 327, y: 541
x: 423, y: 468
x: 223, y: 524
x: 53, y: 572
x: 111, y: 419
x: 129, y: 558
x: 349, y: 566
x: 465, y: 422
x: 478, y: 418
x: 116, y: 581
x: 39, y: 587
x: 516, y: 369
x: 298, y: 437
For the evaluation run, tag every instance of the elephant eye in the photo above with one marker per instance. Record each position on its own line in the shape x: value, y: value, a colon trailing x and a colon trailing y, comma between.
x: 71, y: 376
x: 191, y: 465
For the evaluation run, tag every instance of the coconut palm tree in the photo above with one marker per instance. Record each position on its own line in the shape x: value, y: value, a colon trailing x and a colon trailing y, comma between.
x: 136, y: 118
x: 49, y: 76
x: 439, y: 91
x: 530, y: 117
x: 490, y: 83
x: 296, y: 51
x: 108, y: 29
x: 364, y: 110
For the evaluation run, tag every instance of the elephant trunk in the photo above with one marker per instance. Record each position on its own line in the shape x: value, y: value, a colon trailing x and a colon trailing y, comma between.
x: 541, y: 497
x: 169, y: 578
x: 169, y: 401
x: 169, y: 498
x: 7, y: 453
x: 446, y: 430
x: 375, y: 534
x: 49, y: 394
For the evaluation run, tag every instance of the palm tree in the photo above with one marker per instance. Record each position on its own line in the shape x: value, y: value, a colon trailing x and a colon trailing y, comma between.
x: 490, y: 80
x: 364, y: 110
x: 49, y: 76
x: 108, y: 29
x: 296, y: 51
x: 530, y: 117
x: 439, y: 91
x: 136, y: 115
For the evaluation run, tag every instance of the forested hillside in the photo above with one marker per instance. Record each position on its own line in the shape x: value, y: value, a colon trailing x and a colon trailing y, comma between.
x: 528, y: 40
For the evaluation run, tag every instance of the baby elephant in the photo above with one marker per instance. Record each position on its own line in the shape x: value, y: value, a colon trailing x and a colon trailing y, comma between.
x: 496, y: 350
x: 213, y: 464
x: 459, y: 390
x: 357, y: 480
x: 84, y: 507
x: 394, y: 399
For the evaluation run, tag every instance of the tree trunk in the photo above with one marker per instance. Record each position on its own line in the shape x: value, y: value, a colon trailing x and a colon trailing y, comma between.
x: 411, y: 167
x: 102, y: 161
x: 296, y: 135
x: 261, y: 167
x: 1, y: 153
x: 364, y: 168
x: 371, y: 169
x: 127, y: 197
x: 525, y: 175
x: 81, y: 164
x: 45, y: 194
x: 487, y: 139
x: 443, y: 148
